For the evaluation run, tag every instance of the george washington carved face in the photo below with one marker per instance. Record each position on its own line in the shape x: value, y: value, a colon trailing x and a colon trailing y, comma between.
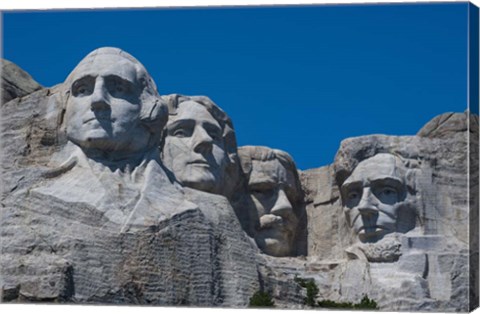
x: 106, y: 97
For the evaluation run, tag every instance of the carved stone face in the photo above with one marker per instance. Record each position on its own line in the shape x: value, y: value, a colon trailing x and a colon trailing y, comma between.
x: 103, y: 109
x: 273, y: 191
x: 373, y: 197
x: 194, y: 148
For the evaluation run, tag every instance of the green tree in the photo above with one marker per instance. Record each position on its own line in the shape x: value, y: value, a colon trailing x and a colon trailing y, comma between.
x: 261, y: 299
x: 312, y: 290
x: 366, y: 304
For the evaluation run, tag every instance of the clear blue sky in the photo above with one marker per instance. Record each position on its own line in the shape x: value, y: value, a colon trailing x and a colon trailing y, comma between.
x: 299, y: 78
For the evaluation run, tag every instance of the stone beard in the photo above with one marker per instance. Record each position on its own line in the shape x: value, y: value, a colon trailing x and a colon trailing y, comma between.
x: 376, y: 200
x: 273, y: 189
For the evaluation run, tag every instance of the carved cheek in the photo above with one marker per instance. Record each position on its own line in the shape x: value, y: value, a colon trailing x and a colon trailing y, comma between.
x: 220, y: 157
x: 350, y: 214
x: 77, y: 110
x: 173, y: 154
x: 390, y: 210
x: 180, y: 151
x: 258, y: 205
x: 262, y: 204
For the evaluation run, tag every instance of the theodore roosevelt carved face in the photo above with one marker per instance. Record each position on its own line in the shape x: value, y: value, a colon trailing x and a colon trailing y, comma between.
x: 375, y: 198
x: 273, y: 187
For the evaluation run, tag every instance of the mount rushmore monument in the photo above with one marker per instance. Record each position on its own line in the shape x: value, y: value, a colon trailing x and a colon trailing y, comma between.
x: 114, y: 194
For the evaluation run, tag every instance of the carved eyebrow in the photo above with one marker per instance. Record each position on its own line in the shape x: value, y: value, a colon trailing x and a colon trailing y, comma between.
x: 114, y: 77
x: 180, y: 123
x: 81, y: 80
x: 209, y: 126
x: 263, y: 184
x: 389, y: 181
x: 351, y: 185
x: 291, y: 192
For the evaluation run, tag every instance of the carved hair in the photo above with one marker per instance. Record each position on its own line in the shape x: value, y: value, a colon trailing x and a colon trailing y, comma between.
x: 142, y: 74
x: 262, y: 153
x: 405, y: 169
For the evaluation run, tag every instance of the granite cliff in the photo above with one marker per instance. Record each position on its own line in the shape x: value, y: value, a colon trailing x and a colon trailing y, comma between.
x: 187, y: 218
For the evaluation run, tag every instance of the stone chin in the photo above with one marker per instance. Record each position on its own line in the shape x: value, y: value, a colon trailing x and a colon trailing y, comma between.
x: 370, y: 230
x: 94, y: 135
x: 274, y: 241
x: 372, y: 234
x: 199, y: 177
x: 100, y: 139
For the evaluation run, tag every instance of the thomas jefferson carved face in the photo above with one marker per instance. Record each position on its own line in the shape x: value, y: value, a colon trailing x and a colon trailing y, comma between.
x: 194, y: 148
x: 273, y: 191
x: 374, y: 198
x: 104, y: 105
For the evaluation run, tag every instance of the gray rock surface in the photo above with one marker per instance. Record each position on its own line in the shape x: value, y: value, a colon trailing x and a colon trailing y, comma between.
x: 201, y: 155
x: 15, y: 82
x: 274, y: 193
x: 80, y: 226
x: 393, y: 274
x: 69, y: 234
x: 448, y: 124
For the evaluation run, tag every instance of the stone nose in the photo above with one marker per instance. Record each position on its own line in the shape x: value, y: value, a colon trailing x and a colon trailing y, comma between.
x: 368, y: 204
x: 202, y: 140
x: 282, y: 206
x: 99, y: 98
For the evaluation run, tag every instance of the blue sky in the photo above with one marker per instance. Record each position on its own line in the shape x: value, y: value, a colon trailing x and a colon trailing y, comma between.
x: 297, y: 78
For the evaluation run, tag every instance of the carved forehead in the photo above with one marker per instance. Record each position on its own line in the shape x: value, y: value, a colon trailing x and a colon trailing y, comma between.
x: 105, y: 61
x: 270, y: 171
x: 378, y: 166
x: 104, y: 65
x: 191, y: 110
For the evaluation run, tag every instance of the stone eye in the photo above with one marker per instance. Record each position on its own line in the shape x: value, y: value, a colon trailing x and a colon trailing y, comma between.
x: 353, y: 195
x: 214, y: 132
x: 215, y: 135
x: 180, y: 133
x: 117, y: 86
x: 387, y: 194
x: 388, y: 191
x: 83, y: 87
x: 262, y: 193
x: 81, y: 90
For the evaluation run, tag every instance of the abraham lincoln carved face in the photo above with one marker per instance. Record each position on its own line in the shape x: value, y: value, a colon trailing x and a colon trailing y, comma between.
x: 376, y: 199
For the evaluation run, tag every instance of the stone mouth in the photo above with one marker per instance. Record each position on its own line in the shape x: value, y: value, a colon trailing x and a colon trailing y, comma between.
x: 270, y: 222
x: 98, y: 119
x: 372, y: 230
x: 199, y: 162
